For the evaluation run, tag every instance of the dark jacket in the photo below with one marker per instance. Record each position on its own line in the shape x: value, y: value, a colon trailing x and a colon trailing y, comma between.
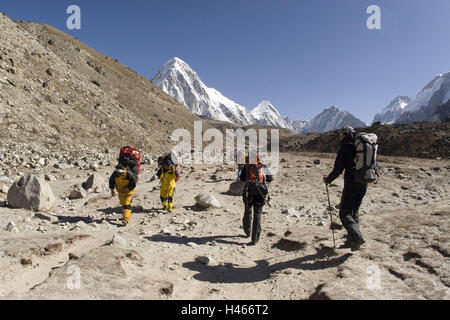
x: 131, y: 177
x: 345, y: 160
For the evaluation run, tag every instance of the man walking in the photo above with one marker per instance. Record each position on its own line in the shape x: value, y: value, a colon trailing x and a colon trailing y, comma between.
x: 255, y: 175
x: 353, y: 192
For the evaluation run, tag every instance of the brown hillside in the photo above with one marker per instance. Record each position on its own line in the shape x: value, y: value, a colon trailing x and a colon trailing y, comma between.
x: 56, y: 92
x: 421, y: 140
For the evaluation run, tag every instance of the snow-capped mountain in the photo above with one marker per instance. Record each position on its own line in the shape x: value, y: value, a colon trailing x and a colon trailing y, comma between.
x: 298, y: 125
x: 267, y: 115
x: 331, y: 119
x: 393, y: 111
x: 177, y: 79
x: 182, y: 83
x: 423, y: 106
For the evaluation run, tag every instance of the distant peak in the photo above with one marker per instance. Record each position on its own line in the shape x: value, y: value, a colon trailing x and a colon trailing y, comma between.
x: 402, y: 98
x: 445, y: 74
x: 176, y: 62
x: 176, y: 59
x: 263, y: 106
x: 332, y: 108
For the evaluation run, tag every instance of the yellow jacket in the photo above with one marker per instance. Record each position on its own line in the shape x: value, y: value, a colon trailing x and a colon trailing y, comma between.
x: 168, y: 178
x: 122, y: 182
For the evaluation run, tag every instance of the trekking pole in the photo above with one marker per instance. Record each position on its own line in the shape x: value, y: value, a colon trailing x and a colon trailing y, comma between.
x: 331, y: 216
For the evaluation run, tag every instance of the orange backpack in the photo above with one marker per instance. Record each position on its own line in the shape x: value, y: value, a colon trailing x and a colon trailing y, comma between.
x: 255, y: 173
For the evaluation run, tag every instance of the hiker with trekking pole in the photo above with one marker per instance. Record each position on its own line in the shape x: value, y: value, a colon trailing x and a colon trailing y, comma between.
x: 357, y: 156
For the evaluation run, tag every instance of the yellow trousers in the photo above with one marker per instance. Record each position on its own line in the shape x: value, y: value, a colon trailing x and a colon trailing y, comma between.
x: 126, y: 203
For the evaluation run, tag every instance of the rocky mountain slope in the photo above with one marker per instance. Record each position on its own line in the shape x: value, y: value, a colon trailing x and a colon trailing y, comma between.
x: 393, y: 111
x: 331, y: 119
x: 59, y: 96
x: 423, y: 106
x: 267, y: 115
x: 298, y: 125
x: 421, y: 140
x: 181, y: 82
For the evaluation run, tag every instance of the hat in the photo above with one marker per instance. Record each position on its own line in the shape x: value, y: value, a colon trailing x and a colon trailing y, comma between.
x: 167, y: 162
x: 348, y: 130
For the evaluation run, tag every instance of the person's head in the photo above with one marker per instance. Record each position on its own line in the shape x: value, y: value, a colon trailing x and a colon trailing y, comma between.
x: 347, y: 133
x: 167, y: 163
x: 120, y: 169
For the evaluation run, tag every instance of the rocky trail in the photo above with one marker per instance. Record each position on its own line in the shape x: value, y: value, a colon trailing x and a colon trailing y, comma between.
x: 78, y: 250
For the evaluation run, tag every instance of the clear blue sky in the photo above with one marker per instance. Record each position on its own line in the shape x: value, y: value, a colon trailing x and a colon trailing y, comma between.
x: 302, y: 55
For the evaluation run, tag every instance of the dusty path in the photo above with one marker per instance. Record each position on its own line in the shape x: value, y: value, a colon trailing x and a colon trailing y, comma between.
x: 405, y: 219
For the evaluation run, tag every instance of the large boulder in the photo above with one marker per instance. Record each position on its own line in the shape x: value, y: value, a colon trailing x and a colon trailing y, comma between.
x: 78, y: 193
x: 206, y: 201
x: 95, y: 182
x: 31, y: 192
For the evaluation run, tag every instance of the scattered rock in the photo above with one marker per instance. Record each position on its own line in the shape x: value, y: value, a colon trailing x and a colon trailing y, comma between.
x: 11, y: 227
x: 74, y: 256
x: 166, y: 290
x: 95, y: 181
x: 165, y: 232
x: 78, y: 193
x: 291, y: 212
x: 4, y: 189
x: 31, y: 192
x: 206, y: 260
x: 117, y: 239
x: 53, y: 248
x: 46, y: 216
x: 80, y: 224
x: 192, y: 244
x: 206, y: 201
x: 317, y: 161
x: 49, y: 177
x: 26, y: 261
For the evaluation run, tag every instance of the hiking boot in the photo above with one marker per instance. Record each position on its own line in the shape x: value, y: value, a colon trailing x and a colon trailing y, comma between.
x: 347, y: 244
x: 124, y: 222
x: 357, y: 244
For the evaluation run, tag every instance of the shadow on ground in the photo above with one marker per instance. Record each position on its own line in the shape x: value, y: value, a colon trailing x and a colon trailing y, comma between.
x: 228, y: 273
x: 136, y: 210
x: 196, y: 240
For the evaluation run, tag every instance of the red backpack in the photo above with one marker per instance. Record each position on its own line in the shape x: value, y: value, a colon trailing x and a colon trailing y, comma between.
x: 129, y: 152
